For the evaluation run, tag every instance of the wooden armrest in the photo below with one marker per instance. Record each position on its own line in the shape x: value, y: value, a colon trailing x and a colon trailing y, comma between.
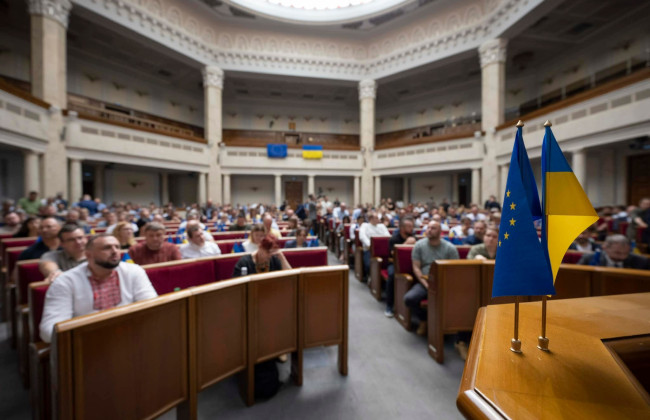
x: 41, y: 349
x: 406, y: 277
x: 390, y: 260
x: 377, y: 259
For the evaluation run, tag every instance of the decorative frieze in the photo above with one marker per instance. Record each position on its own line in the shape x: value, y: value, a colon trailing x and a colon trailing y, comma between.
x: 212, y: 77
x: 58, y: 10
x: 367, y: 89
x: 493, y: 51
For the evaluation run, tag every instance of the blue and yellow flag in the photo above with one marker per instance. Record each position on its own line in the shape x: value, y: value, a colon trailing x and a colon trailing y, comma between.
x: 521, y: 266
x: 567, y: 209
x: 127, y: 258
x: 312, y: 152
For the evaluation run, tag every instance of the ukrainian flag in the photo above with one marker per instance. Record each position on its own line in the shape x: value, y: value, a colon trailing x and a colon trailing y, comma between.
x: 127, y: 258
x: 567, y: 209
x: 312, y: 152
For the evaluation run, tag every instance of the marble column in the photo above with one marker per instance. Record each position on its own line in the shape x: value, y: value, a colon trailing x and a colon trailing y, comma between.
x: 31, y: 174
x: 201, y: 189
x: 493, y: 85
x: 356, y: 199
x: 367, y: 93
x: 48, y: 26
x: 164, y: 188
x: 76, y: 184
x: 226, y: 189
x: 454, y: 188
x: 377, y: 190
x: 311, y: 189
x: 278, y: 190
x: 406, y: 193
x: 212, y: 92
x: 476, y: 186
x: 99, y: 182
x: 606, y: 180
x: 579, y: 166
x: 503, y: 180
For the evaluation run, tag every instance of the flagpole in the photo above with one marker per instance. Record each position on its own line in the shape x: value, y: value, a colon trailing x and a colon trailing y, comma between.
x: 515, y: 343
x: 542, y: 341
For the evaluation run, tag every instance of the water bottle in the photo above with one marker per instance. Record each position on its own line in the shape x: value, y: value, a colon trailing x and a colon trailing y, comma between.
x: 244, y: 271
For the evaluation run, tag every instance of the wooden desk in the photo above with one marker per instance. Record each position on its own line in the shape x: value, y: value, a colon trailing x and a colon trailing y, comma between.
x: 578, y: 378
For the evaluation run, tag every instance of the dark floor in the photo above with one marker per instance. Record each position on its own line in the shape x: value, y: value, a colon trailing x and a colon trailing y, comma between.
x: 390, y: 374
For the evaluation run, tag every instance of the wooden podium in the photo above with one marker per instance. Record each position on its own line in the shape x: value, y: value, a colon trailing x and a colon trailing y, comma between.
x: 595, y: 346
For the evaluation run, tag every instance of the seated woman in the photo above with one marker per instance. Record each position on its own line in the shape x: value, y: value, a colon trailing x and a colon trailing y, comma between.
x: 29, y: 228
x: 488, y: 249
x: 124, y: 233
x: 293, y: 226
x: 267, y: 257
x: 300, y: 241
x: 253, y: 241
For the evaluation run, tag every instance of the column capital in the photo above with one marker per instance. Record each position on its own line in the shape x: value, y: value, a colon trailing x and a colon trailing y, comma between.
x: 493, y: 51
x: 212, y: 76
x: 367, y: 89
x: 58, y: 10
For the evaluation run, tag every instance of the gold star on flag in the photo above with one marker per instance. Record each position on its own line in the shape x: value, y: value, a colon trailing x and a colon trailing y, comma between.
x: 506, y: 235
x: 512, y: 206
x: 512, y: 222
x: 508, y: 193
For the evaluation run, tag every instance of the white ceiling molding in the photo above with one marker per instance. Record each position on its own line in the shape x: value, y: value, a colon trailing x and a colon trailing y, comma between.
x: 186, y: 28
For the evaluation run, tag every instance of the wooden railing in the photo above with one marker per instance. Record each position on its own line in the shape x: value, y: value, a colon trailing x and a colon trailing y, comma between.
x: 574, y: 94
x: 428, y: 134
x: 293, y: 139
x: 22, y: 94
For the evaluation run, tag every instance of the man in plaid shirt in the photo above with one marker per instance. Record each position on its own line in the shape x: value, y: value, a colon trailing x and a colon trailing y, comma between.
x: 102, y: 282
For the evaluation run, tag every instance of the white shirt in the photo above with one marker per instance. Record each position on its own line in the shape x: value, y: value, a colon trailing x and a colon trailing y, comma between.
x: 190, y: 250
x: 479, y: 216
x: 368, y: 230
x: 71, y: 294
x: 111, y: 228
x: 249, y: 246
x: 458, y: 231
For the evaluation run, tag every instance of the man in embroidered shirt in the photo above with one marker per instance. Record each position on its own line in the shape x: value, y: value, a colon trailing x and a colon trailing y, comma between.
x: 197, y: 245
x: 100, y: 283
x: 154, y: 249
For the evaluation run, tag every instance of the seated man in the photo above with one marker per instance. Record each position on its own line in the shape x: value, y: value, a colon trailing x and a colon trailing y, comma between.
x: 73, y: 252
x: 584, y: 242
x: 100, y: 283
x: 477, y: 237
x: 12, y: 223
x: 240, y: 224
x: 197, y: 246
x: 401, y: 236
x: 154, y: 249
x: 369, y: 230
x: 268, y: 222
x: 300, y: 241
x: 462, y: 230
x: 616, y: 254
x: 48, y: 232
x: 426, y: 251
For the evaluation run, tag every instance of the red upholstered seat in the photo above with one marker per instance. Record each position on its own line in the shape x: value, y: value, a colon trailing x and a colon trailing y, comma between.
x: 306, y: 257
x: 463, y: 250
x: 403, y: 261
x: 224, y: 236
x: 227, y: 245
x: 166, y: 277
x: 384, y: 274
x: 224, y: 265
x: 28, y: 272
x: 622, y: 227
x: 12, y: 255
x: 37, y: 303
x: 572, y: 257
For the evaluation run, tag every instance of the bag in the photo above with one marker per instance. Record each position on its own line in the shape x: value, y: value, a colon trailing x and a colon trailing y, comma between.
x: 267, y: 379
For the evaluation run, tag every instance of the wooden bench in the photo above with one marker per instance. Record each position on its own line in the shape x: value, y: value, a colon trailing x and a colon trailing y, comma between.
x: 380, y: 258
x: 104, y: 364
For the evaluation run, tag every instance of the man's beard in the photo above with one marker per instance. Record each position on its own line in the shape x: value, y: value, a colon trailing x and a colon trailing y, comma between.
x: 107, y: 264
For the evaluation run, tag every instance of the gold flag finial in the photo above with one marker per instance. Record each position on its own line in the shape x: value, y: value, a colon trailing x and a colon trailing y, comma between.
x: 520, y: 123
x: 547, y: 123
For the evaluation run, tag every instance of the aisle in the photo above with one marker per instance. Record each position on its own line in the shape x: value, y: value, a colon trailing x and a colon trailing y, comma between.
x: 390, y: 376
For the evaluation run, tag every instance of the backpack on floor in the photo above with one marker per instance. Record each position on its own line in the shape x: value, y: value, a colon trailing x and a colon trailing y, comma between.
x: 267, y: 379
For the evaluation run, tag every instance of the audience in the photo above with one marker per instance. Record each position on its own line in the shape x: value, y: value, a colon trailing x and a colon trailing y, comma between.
x: 71, y: 254
x: 267, y: 257
x: 402, y: 236
x: 479, y: 232
x: 487, y: 250
x: 100, y: 283
x: 124, y: 233
x: 240, y: 223
x: 197, y: 246
x: 30, y: 204
x: 368, y: 230
x: 49, y: 240
x: 29, y: 228
x: 154, y: 249
x: 11, y: 223
x: 300, y: 241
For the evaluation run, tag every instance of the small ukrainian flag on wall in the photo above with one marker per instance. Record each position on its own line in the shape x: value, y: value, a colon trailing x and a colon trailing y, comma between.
x: 312, y: 152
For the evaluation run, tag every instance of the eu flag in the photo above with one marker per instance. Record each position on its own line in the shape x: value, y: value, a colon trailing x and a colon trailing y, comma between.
x: 276, y: 150
x: 521, y: 266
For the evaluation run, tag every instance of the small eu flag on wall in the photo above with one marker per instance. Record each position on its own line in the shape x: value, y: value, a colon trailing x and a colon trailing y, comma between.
x: 276, y: 150
x: 312, y: 152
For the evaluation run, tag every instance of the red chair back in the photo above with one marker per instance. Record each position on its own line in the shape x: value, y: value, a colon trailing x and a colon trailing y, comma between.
x: 11, y: 257
x: 166, y: 277
x: 28, y: 273
x: 36, y: 299
x: 223, y: 236
x: 463, y: 250
x: 403, y: 262
x: 572, y: 257
x: 224, y: 265
x: 306, y: 257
